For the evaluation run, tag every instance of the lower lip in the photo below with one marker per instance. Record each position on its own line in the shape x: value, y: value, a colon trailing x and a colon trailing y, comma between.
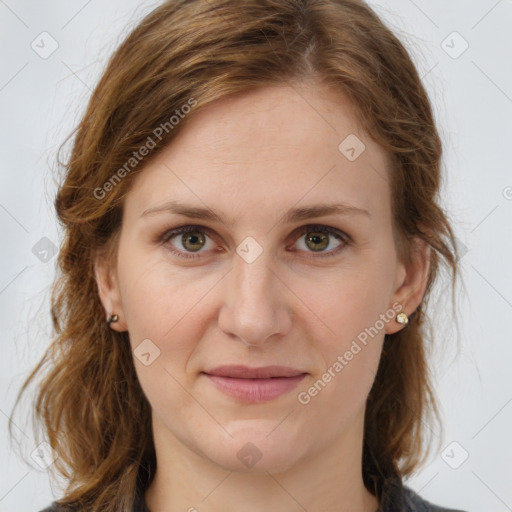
x: 255, y: 390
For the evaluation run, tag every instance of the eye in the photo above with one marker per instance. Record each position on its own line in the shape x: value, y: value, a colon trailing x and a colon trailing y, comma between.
x: 319, y: 238
x: 192, y: 240
x: 188, y: 241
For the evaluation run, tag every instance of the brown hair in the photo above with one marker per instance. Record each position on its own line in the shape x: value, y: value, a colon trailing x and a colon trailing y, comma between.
x: 185, y: 52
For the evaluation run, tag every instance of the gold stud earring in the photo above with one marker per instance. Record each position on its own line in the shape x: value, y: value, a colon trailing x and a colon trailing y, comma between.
x: 402, y: 318
x: 112, y: 319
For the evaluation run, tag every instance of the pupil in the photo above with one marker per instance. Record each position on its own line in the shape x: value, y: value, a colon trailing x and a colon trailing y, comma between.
x: 195, y: 239
x: 317, y: 240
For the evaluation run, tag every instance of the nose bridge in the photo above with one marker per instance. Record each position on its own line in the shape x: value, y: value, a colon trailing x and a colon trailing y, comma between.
x: 252, y: 279
x: 254, y: 306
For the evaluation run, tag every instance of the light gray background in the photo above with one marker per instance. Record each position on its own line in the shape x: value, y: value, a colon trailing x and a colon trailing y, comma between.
x: 41, y: 100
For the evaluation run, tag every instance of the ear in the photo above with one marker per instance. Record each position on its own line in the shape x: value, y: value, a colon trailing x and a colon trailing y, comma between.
x: 108, y: 289
x: 411, y: 282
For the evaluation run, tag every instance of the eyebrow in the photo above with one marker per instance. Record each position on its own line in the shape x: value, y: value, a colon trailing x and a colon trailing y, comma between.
x: 293, y: 215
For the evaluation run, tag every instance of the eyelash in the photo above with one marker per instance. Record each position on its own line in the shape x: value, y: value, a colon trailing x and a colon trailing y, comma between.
x: 339, y: 235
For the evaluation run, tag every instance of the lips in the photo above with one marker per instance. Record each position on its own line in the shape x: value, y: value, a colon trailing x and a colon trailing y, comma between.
x: 245, y: 372
x: 254, y: 384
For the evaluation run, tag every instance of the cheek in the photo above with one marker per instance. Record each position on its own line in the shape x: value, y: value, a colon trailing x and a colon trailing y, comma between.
x: 165, y: 315
x: 349, y: 341
x: 166, y: 305
x: 347, y: 301
x: 153, y: 296
x: 347, y: 329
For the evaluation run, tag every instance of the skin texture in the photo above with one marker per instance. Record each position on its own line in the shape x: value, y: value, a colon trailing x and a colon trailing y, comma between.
x: 252, y: 158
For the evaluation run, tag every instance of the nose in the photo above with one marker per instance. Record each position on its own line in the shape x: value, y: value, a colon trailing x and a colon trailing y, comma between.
x: 256, y: 302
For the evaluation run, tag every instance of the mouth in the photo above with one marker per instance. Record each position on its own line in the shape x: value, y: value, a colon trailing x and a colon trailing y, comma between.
x: 254, y: 384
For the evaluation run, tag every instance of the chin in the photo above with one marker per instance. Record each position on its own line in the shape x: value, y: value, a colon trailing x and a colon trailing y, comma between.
x: 253, y: 450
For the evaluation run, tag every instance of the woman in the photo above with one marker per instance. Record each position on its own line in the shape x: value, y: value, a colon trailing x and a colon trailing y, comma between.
x: 252, y: 231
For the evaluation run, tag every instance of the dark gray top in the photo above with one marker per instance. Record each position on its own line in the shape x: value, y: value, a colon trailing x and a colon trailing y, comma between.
x: 396, y: 497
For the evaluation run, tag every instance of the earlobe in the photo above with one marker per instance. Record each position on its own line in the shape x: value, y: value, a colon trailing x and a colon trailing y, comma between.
x: 108, y: 291
x: 412, y: 285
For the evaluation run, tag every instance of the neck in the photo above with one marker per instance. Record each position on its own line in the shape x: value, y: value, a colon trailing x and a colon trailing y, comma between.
x: 329, y: 480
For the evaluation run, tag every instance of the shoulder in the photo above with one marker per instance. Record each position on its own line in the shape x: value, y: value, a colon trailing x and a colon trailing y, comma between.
x: 415, y: 503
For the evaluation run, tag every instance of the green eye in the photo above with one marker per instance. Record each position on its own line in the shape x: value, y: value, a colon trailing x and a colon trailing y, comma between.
x: 319, y: 238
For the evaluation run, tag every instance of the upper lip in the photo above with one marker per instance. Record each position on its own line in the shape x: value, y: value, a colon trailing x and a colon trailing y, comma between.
x: 246, y: 372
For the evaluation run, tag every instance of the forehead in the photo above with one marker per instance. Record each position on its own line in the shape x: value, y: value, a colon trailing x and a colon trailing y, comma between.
x: 277, y: 146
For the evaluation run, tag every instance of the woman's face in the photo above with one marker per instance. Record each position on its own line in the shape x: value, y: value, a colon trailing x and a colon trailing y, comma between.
x: 266, y: 281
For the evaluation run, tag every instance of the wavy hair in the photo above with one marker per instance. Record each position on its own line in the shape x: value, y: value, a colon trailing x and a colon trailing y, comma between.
x: 89, y: 401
